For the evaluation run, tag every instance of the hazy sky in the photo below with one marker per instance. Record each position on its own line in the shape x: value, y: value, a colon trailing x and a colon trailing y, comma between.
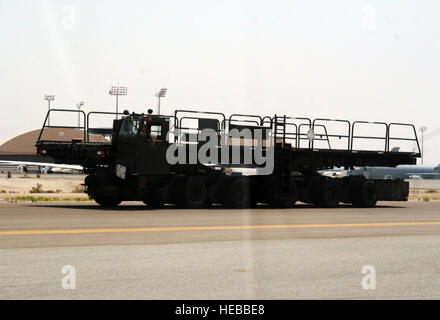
x: 357, y: 60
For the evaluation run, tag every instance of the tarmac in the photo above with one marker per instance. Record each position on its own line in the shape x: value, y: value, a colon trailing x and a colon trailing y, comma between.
x: 133, y: 252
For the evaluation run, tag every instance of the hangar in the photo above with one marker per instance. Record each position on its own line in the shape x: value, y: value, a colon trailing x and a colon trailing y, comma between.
x: 22, y: 147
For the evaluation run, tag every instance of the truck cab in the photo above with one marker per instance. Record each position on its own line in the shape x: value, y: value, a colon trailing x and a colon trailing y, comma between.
x: 141, y: 144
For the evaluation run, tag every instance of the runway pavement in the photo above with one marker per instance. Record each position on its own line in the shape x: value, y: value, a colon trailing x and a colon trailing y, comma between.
x: 133, y: 252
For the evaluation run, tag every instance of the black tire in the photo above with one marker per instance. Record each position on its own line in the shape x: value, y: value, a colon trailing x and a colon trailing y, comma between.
x: 307, y: 190
x: 156, y: 197
x: 366, y: 196
x: 293, y: 195
x: 107, y: 201
x: 238, y: 194
x: 107, y: 196
x: 154, y: 203
x: 193, y: 194
x: 346, y: 195
x: 257, y: 190
x: 214, y: 193
x: 271, y: 192
x: 89, y: 181
x: 328, y: 193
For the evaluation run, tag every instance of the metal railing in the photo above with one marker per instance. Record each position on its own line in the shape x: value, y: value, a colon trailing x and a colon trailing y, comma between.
x: 294, y: 130
x: 389, y: 138
x: 84, y: 127
x: 353, y: 136
x: 339, y: 136
x: 99, y: 130
x: 284, y: 129
x: 196, y: 115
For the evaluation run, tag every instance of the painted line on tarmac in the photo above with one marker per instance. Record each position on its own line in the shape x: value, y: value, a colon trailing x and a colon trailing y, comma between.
x: 218, y: 228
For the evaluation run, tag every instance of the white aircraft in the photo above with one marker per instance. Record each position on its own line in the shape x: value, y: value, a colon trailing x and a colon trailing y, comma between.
x: 399, y: 172
x: 334, y: 173
x: 44, y: 167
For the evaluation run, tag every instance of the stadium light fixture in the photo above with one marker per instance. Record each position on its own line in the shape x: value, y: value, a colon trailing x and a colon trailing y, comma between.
x: 160, y: 94
x: 79, y: 105
x: 118, y: 91
x: 48, y: 98
x: 423, y: 129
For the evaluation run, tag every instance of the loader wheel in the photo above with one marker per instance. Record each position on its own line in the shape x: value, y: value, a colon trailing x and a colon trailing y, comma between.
x: 269, y: 191
x: 256, y: 191
x: 214, y: 192
x: 366, y: 197
x: 107, y: 201
x: 293, y: 195
x: 156, y: 204
x: 193, y: 194
x: 156, y: 198
x: 346, y: 194
x: 307, y: 189
x: 328, y: 193
x: 238, y: 194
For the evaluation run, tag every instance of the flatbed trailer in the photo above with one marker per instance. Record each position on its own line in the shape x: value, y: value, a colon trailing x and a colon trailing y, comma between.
x: 134, y: 164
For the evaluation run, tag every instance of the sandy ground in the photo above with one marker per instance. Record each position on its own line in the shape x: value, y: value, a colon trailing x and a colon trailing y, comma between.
x: 62, y: 187
x: 424, y: 189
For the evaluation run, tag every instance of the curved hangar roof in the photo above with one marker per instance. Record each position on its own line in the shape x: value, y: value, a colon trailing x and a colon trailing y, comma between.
x: 25, y: 143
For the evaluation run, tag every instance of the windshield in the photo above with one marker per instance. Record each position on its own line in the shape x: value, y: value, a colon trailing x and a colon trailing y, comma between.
x: 129, y: 127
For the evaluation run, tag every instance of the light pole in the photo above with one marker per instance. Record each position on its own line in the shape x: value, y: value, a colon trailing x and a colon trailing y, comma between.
x: 48, y: 98
x: 118, y: 91
x: 422, y: 129
x: 161, y: 94
x: 79, y: 106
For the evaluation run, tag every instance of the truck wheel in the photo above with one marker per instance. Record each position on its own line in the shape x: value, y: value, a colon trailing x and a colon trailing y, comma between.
x: 346, y: 194
x: 157, y: 204
x: 271, y: 191
x: 194, y: 193
x: 307, y: 189
x: 328, y: 193
x: 239, y: 194
x: 293, y: 195
x: 214, y: 192
x: 366, y: 197
x: 156, y: 198
x: 256, y: 191
x: 107, y: 201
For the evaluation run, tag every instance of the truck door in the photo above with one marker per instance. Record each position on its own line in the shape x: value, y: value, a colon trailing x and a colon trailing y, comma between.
x: 140, y: 149
x: 152, y: 147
